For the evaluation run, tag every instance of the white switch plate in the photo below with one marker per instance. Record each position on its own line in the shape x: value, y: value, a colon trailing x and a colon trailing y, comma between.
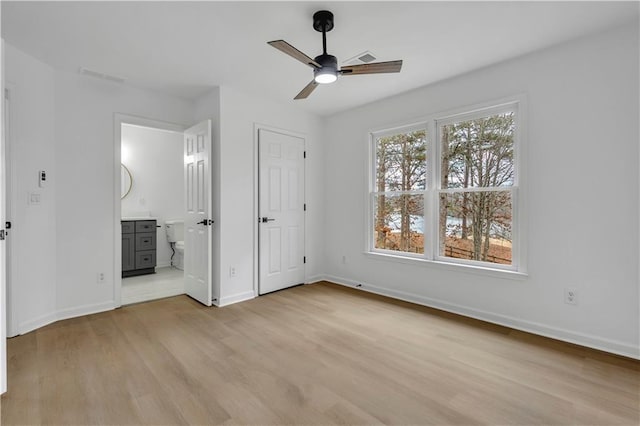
x: 34, y: 198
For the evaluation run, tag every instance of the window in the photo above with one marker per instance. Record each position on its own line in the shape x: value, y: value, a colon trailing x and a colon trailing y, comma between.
x: 400, y: 183
x: 451, y: 196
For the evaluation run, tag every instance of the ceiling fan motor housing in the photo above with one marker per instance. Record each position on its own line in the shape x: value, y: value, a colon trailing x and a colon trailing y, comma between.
x: 327, y: 62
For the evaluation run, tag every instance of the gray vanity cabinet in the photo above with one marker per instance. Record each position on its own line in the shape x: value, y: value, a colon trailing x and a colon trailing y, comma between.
x: 138, y: 247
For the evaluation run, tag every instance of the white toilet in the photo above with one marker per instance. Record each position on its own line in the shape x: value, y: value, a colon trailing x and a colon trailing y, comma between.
x: 175, y: 236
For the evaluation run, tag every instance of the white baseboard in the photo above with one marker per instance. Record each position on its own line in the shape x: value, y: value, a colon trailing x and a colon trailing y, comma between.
x: 235, y: 298
x: 591, y: 341
x: 64, y: 314
x: 36, y: 323
x: 314, y: 279
x: 85, y: 310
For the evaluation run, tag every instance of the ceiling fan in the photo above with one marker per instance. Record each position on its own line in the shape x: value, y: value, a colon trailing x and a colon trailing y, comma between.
x: 325, y: 66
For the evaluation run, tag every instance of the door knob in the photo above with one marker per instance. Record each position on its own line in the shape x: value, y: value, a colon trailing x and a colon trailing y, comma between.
x: 205, y: 222
x: 267, y: 219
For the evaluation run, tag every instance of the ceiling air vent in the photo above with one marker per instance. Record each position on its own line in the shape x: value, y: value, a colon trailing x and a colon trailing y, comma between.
x: 362, y: 58
x: 367, y: 57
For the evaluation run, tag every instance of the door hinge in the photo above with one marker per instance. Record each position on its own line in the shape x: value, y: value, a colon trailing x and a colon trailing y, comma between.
x: 304, y: 259
x: 305, y: 207
x: 304, y: 154
x: 1, y: 234
x: 6, y: 93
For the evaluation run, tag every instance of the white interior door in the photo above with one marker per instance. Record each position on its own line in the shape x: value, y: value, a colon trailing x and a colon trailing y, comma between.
x: 281, y: 208
x: 197, y: 219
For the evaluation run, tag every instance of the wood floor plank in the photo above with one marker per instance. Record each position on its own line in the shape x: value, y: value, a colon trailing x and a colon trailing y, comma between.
x: 316, y: 354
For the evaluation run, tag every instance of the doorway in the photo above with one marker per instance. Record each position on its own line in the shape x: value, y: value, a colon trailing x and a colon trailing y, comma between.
x: 281, y: 210
x: 152, y: 194
x: 174, y: 209
x: 135, y: 194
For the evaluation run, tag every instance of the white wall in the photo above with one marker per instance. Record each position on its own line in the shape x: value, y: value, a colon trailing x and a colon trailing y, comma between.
x: 239, y: 114
x: 583, y: 194
x: 33, y: 234
x: 64, y: 123
x: 155, y: 160
x: 85, y: 152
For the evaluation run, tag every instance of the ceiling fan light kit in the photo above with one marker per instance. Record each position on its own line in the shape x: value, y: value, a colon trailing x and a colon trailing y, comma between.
x: 325, y: 66
x: 328, y: 72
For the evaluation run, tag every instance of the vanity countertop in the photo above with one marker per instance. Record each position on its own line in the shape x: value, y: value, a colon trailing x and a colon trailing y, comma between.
x: 126, y: 218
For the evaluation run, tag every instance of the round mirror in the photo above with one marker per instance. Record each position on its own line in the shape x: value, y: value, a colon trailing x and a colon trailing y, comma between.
x: 126, y: 181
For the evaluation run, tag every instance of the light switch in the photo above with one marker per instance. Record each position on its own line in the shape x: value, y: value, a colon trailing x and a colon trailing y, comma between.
x: 34, y: 198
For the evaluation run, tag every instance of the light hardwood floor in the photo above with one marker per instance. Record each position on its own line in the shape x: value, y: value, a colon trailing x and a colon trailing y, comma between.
x: 315, y: 354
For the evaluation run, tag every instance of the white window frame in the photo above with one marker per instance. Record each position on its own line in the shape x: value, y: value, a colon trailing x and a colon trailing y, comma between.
x: 432, y: 126
x: 373, y: 172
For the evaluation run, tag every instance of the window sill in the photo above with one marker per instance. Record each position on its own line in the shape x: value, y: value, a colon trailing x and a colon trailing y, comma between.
x: 457, y: 267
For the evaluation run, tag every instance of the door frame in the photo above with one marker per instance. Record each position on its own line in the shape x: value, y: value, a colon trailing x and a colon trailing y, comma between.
x: 118, y: 120
x: 11, y: 293
x: 4, y: 281
x: 256, y: 197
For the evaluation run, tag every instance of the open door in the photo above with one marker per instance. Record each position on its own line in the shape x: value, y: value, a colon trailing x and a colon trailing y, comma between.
x: 197, y: 219
x: 281, y: 207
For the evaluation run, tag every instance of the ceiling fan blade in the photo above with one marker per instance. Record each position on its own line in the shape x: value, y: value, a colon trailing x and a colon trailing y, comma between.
x: 373, y: 68
x: 304, y: 93
x: 285, y: 47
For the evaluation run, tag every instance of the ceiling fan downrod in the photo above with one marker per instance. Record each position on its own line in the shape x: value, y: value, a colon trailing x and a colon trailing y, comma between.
x: 323, y: 22
x: 328, y: 72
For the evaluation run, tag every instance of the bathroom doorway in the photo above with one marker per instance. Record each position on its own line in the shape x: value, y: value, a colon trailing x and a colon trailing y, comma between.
x: 149, y: 200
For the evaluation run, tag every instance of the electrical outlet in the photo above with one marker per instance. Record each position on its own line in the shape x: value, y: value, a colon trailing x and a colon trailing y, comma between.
x: 232, y: 271
x: 100, y: 278
x: 571, y: 296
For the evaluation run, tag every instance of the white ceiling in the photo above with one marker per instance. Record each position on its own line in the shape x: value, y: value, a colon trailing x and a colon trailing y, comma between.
x: 185, y: 48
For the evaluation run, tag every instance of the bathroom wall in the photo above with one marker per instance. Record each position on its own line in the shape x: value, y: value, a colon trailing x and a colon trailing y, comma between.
x: 155, y: 159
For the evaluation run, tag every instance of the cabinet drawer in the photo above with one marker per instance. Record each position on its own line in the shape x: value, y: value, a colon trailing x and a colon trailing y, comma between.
x: 145, y: 226
x: 145, y: 241
x: 128, y: 227
x: 145, y: 259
